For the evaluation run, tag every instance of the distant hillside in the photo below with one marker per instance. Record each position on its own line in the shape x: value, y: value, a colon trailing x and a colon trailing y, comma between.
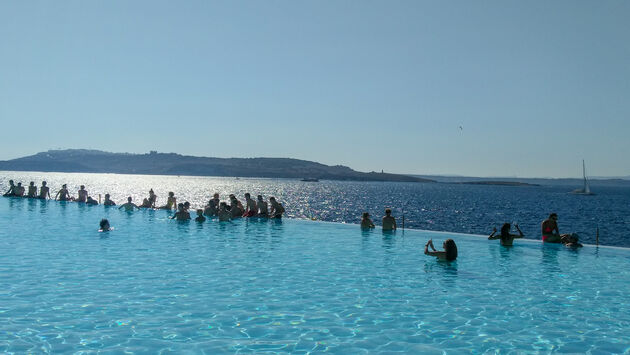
x: 95, y: 161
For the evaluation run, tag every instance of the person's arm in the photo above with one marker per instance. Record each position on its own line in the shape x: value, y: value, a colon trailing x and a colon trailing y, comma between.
x: 136, y: 206
x: 521, y: 235
x: 493, y: 236
x: 371, y: 224
x: 434, y: 252
x: 394, y: 221
x: 556, y: 227
x: 121, y: 206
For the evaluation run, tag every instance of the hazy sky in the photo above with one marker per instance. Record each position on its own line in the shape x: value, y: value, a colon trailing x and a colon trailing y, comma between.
x: 535, y: 85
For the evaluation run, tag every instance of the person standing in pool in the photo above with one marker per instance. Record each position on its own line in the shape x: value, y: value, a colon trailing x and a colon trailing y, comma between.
x: 19, y: 190
x: 261, y: 205
x: 82, y: 194
x: 181, y: 214
x: 449, y: 253
x: 32, y: 190
x: 11, y: 190
x: 44, y: 191
x: 171, y: 202
x: 152, y: 198
x: 276, y: 208
x: 212, y: 208
x: 224, y: 213
x: 366, y: 222
x: 389, y: 222
x: 129, y: 206
x: 250, y: 210
x: 200, y: 217
x: 108, y: 202
x: 63, y: 194
x: 236, y: 207
x: 549, y: 229
x: 507, y: 239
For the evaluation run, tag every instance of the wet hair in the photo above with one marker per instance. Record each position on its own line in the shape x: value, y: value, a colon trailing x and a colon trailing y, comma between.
x: 19, y: 184
x: 553, y: 215
x: 451, y: 249
x: 151, y: 191
x: 388, y: 211
x: 272, y: 198
x: 180, y: 205
x: 259, y: 197
x: 106, y: 195
x: 83, y: 186
x: 44, y: 183
x: 129, y: 198
x: 103, y: 223
x: 366, y: 215
x: 32, y: 183
x: 505, y: 232
x: 186, y: 203
x: 247, y: 194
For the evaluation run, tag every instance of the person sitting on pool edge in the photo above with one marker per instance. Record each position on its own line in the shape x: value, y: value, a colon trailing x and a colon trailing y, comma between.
x: 44, y: 191
x: 571, y: 240
x: 181, y: 214
x: 366, y: 222
x: 549, y: 229
x: 19, y: 190
x: 507, y: 239
x: 63, y: 194
x: 200, y: 217
x: 262, y: 207
x: 108, y: 202
x: 32, y: 190
x: 129, y: 206
x: 171, y: 202
x: 82, y: 194
x: 11, y: 190
x: 276, y: 208
x: 104, y: 226
x: 389, y: 222
x: 449, y: 253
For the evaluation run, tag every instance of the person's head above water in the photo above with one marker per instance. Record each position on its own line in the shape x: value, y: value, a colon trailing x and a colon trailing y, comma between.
x: 32, y: 183
x: 106, y: 196
x: 171, y: 194
x: 199, y: 212
x: 104, y: 224
x: 129, y: 199
x: 180, y: 206
x: 64, y: 186
x: 388, y: 211
x: 259, y: 197
x: 553, y: 216
x: 82, y: 187
x: 216, y: 195
x: 247, y: 195
x: 451, y: 249
x: 19, y: 184
x: 11, y: 182
x: 43, y: 183
x: 366, y: 215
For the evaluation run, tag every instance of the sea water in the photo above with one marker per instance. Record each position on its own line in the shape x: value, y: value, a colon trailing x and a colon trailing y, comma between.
x: 293, y: 286
x: 431, y: 206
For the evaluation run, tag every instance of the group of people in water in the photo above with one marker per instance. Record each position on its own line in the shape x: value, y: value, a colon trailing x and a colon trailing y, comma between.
x: 274, y: 209
x: 214, y: 208
x: 549, y: 230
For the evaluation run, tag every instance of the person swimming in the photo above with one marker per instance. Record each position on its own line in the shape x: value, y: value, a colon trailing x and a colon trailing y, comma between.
x: 186, y: 206
x: 129, y: 206
x: 224, y: 213
x: 32, y: 190
x: 571, y: 240
x: 549, y: 229
x: 389, y: 222
x: 82, y: 194
x: 181, y: 214
x: 366, y: 222
x: 11, y: 191
x: 251, y: 209
x: 276, y: 208
x: 171, y: 202
x: 90, y: 201
x: 63, y: 194
x: 449, y: 253
x: 212, y: 208
x: 507, y: 239
x: 104, y: 224
x: 262, y: 207
x: 108, y: 201
x: 44, y: 191
x: 200, y: 217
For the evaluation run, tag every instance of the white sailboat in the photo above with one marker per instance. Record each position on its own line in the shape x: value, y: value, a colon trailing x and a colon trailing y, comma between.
x: 586, y: 190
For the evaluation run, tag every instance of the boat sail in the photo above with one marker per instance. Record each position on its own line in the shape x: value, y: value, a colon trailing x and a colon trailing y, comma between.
x: 586, y: 189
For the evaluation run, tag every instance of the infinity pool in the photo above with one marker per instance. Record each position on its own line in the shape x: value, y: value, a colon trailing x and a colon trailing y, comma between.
x: 155, y: 284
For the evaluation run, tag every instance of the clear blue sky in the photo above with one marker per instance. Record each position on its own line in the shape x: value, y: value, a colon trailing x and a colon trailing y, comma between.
x: 535, y: 85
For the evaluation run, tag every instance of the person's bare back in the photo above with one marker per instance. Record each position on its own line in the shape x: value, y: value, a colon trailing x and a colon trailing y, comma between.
x: 389, y: 222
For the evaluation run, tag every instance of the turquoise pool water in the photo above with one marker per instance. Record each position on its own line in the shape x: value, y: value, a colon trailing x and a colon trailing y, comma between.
x: 295, y: 286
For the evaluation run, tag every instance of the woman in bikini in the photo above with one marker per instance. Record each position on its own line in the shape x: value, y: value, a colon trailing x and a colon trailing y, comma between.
x: 549, y: 229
